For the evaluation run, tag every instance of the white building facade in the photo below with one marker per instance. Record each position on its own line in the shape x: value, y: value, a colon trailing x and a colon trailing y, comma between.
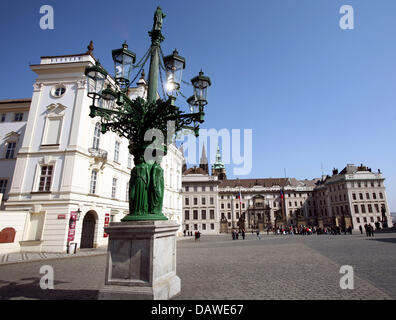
x: 65, y: 165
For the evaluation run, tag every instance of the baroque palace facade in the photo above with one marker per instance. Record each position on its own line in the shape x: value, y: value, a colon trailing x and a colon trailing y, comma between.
x: 353, y: 197
x: 55, y: 163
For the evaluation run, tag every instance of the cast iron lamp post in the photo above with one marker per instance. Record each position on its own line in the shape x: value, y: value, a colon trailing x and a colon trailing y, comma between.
x: 133, y: 118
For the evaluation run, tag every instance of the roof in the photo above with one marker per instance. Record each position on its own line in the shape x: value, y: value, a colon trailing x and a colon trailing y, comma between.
x: 8, y: 101
x: 195, y: 170
x: 266, y: 182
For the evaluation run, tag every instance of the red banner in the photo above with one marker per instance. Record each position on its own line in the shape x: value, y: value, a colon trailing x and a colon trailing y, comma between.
x: 106, y: 224
x: 72, y: 226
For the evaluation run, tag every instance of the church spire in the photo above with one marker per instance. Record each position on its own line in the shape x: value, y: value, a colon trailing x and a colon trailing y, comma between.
x: 203, y: 163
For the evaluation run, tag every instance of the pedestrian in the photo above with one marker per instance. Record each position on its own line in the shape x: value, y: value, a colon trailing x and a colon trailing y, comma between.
x: 361, y: 229
x: 243, y: 234
x: 237, y: 234
x: 258, y: 234
x: 233, y: 235
x: 366, y: 228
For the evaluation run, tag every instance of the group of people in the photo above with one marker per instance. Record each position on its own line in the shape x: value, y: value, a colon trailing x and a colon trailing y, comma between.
x: 235, y: 234
x: 308, y: 230
x: 197, y: 234
x: 369, y: 230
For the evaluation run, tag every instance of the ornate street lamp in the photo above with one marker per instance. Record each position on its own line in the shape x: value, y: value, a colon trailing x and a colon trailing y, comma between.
x: 123, y: 65
x: 174, y: 65
x: 201, y: 84
x: 133, y: 118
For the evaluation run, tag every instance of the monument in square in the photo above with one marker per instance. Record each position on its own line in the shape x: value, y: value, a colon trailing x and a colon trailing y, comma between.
x: 141, y: 261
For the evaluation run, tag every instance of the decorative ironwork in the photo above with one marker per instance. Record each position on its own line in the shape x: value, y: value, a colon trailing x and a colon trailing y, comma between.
x: 132, y: 119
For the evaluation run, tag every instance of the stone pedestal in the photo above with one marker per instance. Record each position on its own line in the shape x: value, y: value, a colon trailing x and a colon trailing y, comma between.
x: 141, y: 261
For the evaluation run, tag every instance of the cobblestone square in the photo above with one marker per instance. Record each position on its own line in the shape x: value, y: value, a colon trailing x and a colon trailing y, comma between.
x: 217, y: 267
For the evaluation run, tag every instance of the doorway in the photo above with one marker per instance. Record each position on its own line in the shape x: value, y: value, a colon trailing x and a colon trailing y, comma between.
x: 88, y: 231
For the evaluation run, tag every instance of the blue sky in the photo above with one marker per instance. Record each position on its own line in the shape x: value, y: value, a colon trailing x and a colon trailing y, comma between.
x: 311, y: 92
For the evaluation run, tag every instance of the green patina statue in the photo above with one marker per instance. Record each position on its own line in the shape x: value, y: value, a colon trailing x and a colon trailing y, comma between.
x: 138, y: 188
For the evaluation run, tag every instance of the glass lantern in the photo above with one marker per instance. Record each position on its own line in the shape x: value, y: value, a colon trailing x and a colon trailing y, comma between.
x: 109, y: 98
x: 192, y: 104
x: 96, y: 77
x: 123, y: 64
x: 201, y: 84
x: 174, y: 65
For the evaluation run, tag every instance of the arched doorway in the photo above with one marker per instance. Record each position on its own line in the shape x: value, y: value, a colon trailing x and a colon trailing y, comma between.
x: 88, y: 231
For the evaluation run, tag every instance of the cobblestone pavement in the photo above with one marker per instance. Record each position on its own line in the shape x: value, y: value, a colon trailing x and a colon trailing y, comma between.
x: 275, y: 267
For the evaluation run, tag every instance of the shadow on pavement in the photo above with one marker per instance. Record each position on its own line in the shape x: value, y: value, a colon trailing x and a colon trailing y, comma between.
x: 12, y: 290
x: 388, y: 240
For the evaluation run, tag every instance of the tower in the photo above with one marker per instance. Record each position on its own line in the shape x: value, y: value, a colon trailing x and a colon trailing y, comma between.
x: 184, y: 165
x: 203, y: 163
x: 218, y: 169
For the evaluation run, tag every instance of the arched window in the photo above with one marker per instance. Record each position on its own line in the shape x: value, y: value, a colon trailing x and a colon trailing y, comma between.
x: 94, y: 176
x: 96, y: 138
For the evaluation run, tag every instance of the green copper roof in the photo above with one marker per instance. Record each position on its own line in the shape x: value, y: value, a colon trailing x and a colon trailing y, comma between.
x: 218, y: 164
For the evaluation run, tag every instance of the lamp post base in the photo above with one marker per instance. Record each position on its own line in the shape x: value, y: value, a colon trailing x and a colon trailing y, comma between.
x: 141, y: 261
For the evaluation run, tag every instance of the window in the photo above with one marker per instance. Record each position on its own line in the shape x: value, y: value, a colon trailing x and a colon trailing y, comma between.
x: 364, y: 219
x: 18, y: 117
x: 195, y: 214
x: 358, y: 220
x: 195, y: 201
x: 361, y: 196
x: 129, y: 164
x: 381, y: 196
x: 195, y: 227
x: 229, y: 215
x: 204, y: 226
x: 370, y: 208
x: 371, y: 219
x: 116, y: 151
x: 195, y: 189
x: 211, y: 188
x: 211, y: 200
x: 222, y: 206
x: 243, y: 206
x: 10, y: 150
x: 354, y: 196
x: 3, y: 117
x: 229, y: 205
x: 114, y: 188
x: 237, y: 205
x: 212, y: 226
x: 187, y: 215
x: 376, y: 207
x: 367, y: 196
x: 212, y: 214
x: 374, y: 195
x: 3, y: 186
x: 203, y: 201
x: 46, y: 178
x: 187, y: 189
x: 203, y: 214
x: 96, y: 138
x: 356, y: 208
x: 94, y: 177
x: 187, y: 201
x: 363, y: 208
x: 203, y: 189
x: 58, y: 91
